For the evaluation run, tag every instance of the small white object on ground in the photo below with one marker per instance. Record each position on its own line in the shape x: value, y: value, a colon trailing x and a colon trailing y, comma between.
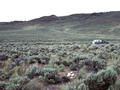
x: 71, y: 75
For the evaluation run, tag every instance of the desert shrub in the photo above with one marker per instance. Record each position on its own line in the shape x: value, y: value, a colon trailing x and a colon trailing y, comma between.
x: 117, y: 85
x: 112, y: 48
x: 62, y: 54
x: 95, y: 64
x: 102, y: 80
x: 3, y: 85
x: 34, y: 59
x: 3, y: 75
x: 114, y: 55
x: 75, y: 47
x: 61, y: 67
x: 64, y: 87
x: 116, y: 66
x: 107, y: 55
x: 65, y: 79
x: 3, y: 57
x: 50, y: 76
x: 2, y: 64
x: 20, y: 60
x: 33, y: 52
x: 14, y: 71
x: 44, y: 59
x: 78, y: 62
x: 17, y: 70
x: 22, y: 70
x: 77, y: 59
x: 7, y: 74
x: 104, y: 55
x: 93, y: 47
x: 74, y: 85
x: 17, y: 82
x: 76, y: 66
x: 82, y: 86
x: 52, y: 65
x: 32, y: 85
x: 14, y: 56
x: 116, y: 52
x: 56, y: 61
x: 53, y: 50
x: 81, y: 72
x: 34, y: 71
x: 66, y: 62
x: 56, y: 66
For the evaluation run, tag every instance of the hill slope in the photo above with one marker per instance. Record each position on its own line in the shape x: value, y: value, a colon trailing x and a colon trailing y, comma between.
x: 73, y: 27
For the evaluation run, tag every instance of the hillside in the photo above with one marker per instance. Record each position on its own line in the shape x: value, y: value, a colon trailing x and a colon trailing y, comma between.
x: 73, y: 27
x: 56, y: 53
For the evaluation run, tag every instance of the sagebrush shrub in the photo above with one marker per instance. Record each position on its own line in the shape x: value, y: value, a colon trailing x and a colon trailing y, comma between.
x: 20, y: 60
x: 66, y: 62
x: 117, y: 85
x: 33, y: 85
x: 3, y: 75
x: 34, y: 59
x: 116, y: 66
x: 3, y: 57
x: 102, y: 80
x: 74, y: 85
x: 3, y: 85
x: 55, y: 61
x: 34, y: 71
x: 51, y: 77
x: 96, y: 64
x: 76, y: 66
x: 48, y: 75
x: 77, y: 59
x: 44, y: 59
x: 17, y: 82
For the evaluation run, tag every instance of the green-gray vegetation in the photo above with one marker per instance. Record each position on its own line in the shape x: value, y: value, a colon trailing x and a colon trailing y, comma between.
x: 56, y: 53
